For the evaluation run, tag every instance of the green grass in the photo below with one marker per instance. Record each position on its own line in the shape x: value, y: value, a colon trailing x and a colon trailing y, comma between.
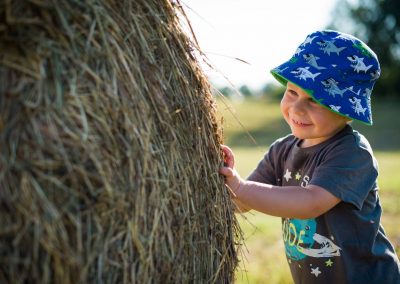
x: 250, y: 127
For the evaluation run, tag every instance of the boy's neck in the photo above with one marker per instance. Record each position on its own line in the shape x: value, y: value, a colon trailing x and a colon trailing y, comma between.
x: 306, y: 143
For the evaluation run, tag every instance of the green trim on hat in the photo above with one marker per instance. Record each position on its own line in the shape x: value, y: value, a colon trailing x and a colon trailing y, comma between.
x: 363, y: 49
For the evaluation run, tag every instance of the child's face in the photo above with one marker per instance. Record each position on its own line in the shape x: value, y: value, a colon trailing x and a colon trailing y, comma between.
x: 307, y: 119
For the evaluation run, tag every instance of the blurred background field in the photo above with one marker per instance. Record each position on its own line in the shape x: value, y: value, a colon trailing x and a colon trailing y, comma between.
x: 250, y: 125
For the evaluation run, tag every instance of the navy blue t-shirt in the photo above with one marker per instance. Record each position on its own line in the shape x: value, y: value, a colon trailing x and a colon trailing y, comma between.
x: 347, y: 244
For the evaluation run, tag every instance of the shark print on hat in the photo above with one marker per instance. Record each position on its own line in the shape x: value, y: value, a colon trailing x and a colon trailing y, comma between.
x: 329, y: 46
x: 358, y: 64
x: 303, y: 73
x: 312, y: 60
x: 331, y: 86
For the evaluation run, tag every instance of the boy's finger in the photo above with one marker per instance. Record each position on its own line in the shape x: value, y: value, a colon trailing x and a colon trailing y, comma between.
x: 226, y: 171
x: 224, y: 147
x: 229, y: 159
x: 230, y: 162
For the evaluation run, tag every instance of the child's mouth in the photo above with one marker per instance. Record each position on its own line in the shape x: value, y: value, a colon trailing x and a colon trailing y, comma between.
x: 300, y: 124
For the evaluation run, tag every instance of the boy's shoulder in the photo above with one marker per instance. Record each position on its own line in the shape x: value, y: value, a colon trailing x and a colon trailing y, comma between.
x: 353, y: 139
x: 349, y: 146
x: 362, y: 141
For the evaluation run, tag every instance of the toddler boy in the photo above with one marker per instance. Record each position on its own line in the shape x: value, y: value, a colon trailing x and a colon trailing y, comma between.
x: 322, y: 178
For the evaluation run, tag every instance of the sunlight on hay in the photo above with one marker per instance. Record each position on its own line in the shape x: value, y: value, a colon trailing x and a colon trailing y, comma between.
x: 109, y: 148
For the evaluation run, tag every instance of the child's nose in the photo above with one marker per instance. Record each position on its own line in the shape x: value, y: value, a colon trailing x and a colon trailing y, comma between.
x: 299, y: 107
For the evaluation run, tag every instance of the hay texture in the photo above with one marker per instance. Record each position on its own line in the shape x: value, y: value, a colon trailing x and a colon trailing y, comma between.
x: 109, y: 148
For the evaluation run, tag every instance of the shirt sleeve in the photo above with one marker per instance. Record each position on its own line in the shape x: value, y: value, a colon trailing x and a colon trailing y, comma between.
x: 349, y: 172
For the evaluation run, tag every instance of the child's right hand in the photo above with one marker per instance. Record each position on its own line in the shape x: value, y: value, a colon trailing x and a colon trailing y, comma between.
x: 232, y: 177
x: 229, y: 158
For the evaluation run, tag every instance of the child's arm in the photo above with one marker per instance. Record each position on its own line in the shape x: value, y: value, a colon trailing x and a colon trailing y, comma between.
x: 240, y: 206
x: 282, y: 201
x: 286, y: 201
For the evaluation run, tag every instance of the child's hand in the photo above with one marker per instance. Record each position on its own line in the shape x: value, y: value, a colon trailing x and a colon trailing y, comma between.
x: 229, y: 158
x: 232, y: 177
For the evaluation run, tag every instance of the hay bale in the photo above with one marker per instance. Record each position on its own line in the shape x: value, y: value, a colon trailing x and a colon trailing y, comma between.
x: 109, y: 148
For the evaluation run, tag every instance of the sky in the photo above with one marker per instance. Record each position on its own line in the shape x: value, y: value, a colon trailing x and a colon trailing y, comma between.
x: 262, y: 33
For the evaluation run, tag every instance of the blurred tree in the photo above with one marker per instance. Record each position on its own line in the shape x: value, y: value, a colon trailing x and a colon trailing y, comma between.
x: 245, y: 91
x: 226, y: 91
x: 376, y: 22
x: 272, y: 91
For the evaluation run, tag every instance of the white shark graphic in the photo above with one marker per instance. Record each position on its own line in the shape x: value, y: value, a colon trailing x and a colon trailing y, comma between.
x: 280, y: 70
x: 331, y: 86
x: 327, y: 249
x: 375, y: 75
x: 308, y: 40
x: 329, y: 46
x: 358, y: 63
x: 303, y: 73
x: 367, y: 93
x: 335, y: 108
x: 312, y: 60
x: 357, y: 105
x: 299, y: 50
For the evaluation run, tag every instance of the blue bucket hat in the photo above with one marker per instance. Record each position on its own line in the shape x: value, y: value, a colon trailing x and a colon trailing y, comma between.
x: 336, y: 69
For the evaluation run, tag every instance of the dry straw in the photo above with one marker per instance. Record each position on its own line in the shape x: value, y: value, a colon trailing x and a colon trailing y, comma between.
x: 109, y: 148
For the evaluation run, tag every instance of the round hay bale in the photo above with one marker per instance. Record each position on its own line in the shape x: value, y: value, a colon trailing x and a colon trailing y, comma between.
x: 109, y: 148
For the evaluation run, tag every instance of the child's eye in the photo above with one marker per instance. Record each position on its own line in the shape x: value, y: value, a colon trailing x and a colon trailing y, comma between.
x: 293, y: 93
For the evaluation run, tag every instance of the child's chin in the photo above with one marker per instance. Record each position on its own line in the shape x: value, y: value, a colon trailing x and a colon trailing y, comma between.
x: 299, y: 134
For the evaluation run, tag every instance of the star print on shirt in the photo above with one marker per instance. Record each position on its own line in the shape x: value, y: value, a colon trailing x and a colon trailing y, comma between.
x: 298, y: 176
x: 329, y: 262
x: 315, y: 271
x: 288, y: 175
